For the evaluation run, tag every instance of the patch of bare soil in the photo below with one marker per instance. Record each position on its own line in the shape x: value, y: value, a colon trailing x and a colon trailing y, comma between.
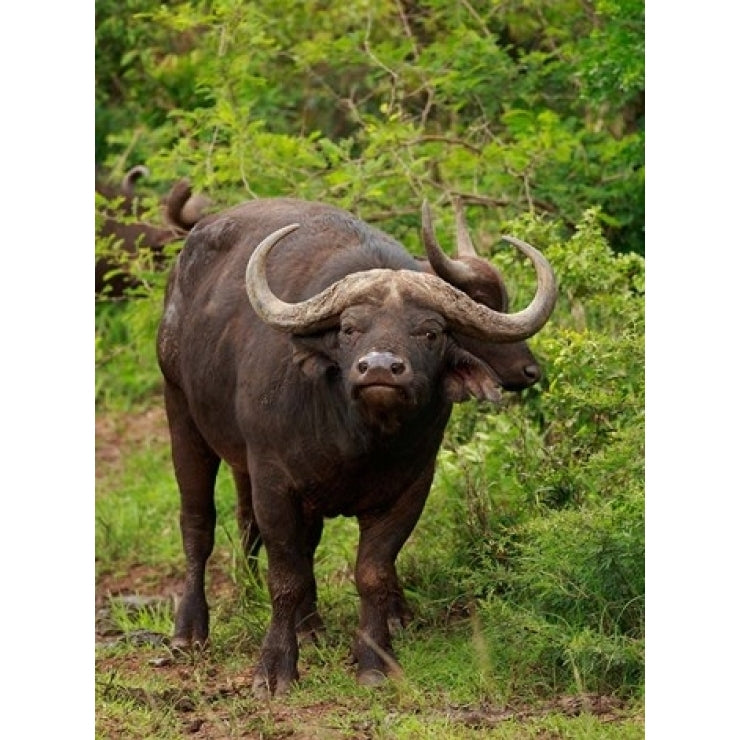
x: 213, y: 703
x: 607, y: 708
x: 116, y: 433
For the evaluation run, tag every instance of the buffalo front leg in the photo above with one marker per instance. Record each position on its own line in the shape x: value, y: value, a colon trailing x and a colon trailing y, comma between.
x: 309, y: 625
x: 308, y: 622
x: 382, y: 603
x: 290, y: 581
x: 196, y: 466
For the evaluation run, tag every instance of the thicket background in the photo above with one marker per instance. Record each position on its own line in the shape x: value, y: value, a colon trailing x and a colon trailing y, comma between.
x: 533, y: 114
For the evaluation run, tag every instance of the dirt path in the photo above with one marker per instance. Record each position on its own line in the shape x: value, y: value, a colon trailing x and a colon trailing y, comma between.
x: 117, y: 433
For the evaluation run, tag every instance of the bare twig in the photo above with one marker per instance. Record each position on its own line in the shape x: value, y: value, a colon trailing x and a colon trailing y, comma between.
x: 483, y: 200
x: 407, y: 29
x: 445, y: 140
x: 527, y: 193
x: 380, y: 216
x: 214, y: 134
x: 475, y: 15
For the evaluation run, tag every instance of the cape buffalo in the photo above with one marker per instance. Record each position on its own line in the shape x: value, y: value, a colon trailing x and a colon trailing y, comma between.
x: 120, y: 223
x: 323, y: 373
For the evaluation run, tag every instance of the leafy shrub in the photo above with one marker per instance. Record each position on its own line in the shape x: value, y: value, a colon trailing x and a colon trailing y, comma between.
x: 127, y: 373
x: 374, y: 105
x: 569, y: 612
x: 544, y: 501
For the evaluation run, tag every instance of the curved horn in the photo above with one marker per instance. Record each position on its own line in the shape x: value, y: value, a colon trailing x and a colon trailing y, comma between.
x: 465, y: 246
x: 472, y: 274
x: 271, y: 309
x: 461, y: 311
x: 194, y: 209
x: 457, y: 272
x: 127, y: 185
x: 314, y: 314
x: 475, y: 319
x: 176, y: 199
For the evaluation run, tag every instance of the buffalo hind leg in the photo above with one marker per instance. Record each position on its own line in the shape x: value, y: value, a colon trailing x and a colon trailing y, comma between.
x: 400, y: 613
x: 382, y: 603
x: 249, y: 532
x: 196, y: 466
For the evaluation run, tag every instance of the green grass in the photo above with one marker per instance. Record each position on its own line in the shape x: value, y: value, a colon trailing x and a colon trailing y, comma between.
x: 444, y: 693
x: 451, y: 687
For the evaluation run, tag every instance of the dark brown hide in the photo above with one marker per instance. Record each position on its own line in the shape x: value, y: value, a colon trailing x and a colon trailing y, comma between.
x: 121, y: 224
x: 347, y: 420
x: 513, y: 363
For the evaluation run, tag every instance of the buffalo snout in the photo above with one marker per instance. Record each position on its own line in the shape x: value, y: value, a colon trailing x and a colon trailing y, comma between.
x: 382, y: 383
x: 380, y: 369
x: 518, y: 374
x: 380, y: 363
x: 532, y: 372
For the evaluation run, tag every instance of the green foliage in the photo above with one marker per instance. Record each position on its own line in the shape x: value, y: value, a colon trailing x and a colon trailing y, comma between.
x: 156, y: 617
x: 133, y: 518
x: 516, y: 105
x: 569, y: 612
x: 127, y: 373
x: 547, y: 497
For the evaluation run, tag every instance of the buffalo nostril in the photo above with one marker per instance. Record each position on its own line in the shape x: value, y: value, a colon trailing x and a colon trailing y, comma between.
x: 381, y: 362
x: 532, y: 371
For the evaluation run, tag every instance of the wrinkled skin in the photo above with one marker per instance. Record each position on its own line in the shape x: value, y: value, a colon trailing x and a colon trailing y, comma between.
x: 347, y: 421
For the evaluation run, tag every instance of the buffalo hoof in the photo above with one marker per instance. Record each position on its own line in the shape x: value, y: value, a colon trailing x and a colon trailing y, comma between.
x: 188, y: 645
x: 262, y: 689
x: 371, y: 677
x: 275, y: 673
x: 191, y: 624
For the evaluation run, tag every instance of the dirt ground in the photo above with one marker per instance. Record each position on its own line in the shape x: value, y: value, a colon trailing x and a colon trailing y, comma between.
x: 116, y: 433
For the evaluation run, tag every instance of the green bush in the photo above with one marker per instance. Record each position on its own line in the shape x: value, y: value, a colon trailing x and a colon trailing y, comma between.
x: 374, y: 105
x: 546, y: 498
x: 126, y: 370
x: 569, y: 612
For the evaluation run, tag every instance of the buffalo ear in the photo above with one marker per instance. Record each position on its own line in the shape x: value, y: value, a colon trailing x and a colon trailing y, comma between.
x: 468, y: 377
x: 315, y: 354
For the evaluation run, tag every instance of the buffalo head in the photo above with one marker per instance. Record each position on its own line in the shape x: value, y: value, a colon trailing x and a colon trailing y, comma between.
x: 128, y: 233
x: 397, y: 337
x: 512, y: 363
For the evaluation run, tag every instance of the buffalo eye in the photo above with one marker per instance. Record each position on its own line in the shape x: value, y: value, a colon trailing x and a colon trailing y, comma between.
x: 431, y: 335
